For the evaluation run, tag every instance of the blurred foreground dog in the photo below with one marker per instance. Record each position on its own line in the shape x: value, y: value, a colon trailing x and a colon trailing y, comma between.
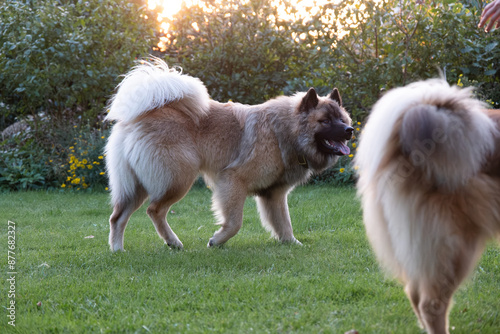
x: 429, y: 179
x: 168, y: 131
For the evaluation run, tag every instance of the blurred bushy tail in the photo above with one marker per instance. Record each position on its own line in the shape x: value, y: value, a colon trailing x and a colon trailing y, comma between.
x: 446, y: 134
x: 430, y: 127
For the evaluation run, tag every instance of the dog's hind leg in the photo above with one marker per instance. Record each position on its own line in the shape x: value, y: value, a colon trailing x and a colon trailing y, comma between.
x: 228, y: 201
x: 433, y: 307
x: 158, y: 209
x: 122, y: 211
x: 273, y: 208
x: 435, y: 294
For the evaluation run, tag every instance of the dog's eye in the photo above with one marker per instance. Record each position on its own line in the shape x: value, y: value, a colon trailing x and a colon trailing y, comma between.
x: 325, y: 121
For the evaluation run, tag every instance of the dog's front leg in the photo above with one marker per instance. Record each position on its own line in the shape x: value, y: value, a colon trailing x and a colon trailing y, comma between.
x: 274, y: 215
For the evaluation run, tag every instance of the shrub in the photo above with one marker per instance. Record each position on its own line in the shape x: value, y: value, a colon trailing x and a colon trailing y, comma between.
x: 83, y: 163
x: 241, y: 50
x: 66, y: 55
x: 23, y: 169
x: 56, y: 156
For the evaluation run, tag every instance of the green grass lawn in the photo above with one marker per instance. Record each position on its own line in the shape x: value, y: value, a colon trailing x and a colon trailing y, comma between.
x: 250, y: 285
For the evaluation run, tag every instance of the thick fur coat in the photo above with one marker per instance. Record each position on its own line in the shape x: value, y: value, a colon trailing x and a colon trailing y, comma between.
x: 168, y: 131
x: 429, y: 180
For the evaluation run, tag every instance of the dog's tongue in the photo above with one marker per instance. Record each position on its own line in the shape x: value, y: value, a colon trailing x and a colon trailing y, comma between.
x: 341, y: 148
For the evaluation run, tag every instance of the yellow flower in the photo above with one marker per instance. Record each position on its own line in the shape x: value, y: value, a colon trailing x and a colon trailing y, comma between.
x: 102, y: 137
x: 50, y: 160
x: 63, y: 185
x: 359, y: 123
x: 69, y: 178
x: 84, y: 161
x: 101, y: 157
x: 90, y: 166
x: 71, y: 147
x: 357, y: 129
x: 353, y: 144
x: 102, y: 173
x: 76, y: 181
x: 351, y: 155
x: 106, y: 188
x: 342, y: 170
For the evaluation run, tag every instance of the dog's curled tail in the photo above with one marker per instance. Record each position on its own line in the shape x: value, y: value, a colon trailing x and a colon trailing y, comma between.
x: 446, y: 134
x: 152, y: 84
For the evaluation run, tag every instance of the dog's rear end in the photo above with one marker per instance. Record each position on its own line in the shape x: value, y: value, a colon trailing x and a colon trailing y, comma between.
x: 429, y: 179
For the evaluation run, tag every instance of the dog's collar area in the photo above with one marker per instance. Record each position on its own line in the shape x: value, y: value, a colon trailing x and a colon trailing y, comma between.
x: 303, y: 161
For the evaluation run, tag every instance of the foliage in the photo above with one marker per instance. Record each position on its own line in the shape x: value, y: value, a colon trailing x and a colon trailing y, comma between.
x: 376, y: 46
x: 84, y: 160
x: 62, y: 55
x: 241, y: 50
x: 24, y: 168
x: 55, y: 157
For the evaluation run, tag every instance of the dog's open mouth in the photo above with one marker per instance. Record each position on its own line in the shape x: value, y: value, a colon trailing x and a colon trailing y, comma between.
x: 337, y: 147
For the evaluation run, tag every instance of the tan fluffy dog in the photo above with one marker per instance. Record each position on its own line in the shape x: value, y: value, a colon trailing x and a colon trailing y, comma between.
x: 429, y: 179
x: 168, y: 131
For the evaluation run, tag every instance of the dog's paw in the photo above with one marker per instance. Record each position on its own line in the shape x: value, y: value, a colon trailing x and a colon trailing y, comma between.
x: 115, y: 248
x: 212, y: 243
x: 177, y: 245
x: 291, y: 241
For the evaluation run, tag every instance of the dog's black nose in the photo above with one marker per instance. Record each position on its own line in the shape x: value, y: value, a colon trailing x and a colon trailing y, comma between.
x: 349, y: 130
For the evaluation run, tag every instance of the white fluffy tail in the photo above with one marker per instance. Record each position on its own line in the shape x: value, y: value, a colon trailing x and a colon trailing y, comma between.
x: 152, y: 84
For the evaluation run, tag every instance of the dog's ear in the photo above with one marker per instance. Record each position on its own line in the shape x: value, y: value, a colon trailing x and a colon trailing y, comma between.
x: 335, y: 96
x: 309, y: 101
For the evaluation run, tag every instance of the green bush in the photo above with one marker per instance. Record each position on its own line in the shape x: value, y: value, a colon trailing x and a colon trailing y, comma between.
x: 241, y: 50
x: 59, y: 63
x: 54, y: 157
x: 24, y: 169
x: 61, y: 59
x: 66, y: 55
x: 83, y: 161
x: 376, y: 46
